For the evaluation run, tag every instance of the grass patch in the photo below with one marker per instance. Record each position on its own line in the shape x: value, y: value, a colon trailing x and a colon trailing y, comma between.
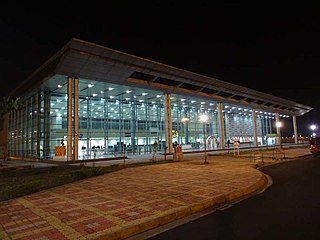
x: 17, y: 183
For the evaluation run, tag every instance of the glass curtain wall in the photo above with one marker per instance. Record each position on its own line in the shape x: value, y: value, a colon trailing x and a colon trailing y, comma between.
x: 239, y: 124
x: 187, y: 129
x: 117, y: 120
x: 33, y: 127
x: 118, y: 125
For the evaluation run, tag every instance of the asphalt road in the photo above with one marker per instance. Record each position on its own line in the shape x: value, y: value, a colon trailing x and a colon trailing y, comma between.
x: 288, y: 209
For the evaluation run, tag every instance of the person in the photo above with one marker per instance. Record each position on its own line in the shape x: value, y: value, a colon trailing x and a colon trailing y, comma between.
x: 155, y: 146
x: 236, y: 146
x: 228, y: 144
x: 62, y: 142
x: 115, y: 149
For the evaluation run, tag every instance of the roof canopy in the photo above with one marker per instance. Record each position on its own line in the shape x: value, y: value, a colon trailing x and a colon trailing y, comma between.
x: 83, y: 59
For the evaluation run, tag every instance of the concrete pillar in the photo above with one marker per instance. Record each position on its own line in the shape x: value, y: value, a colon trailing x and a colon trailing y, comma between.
x: 28, y: 127
x: 168, y: 123
x: 295, y: 129
x: 89, y: 127
x: 69, y: 119
x: 47, y: 124
x: 14, y: 139
x: 32, y: 105
x: 105, y: 127
x: 133, y: 126
x: 255, y: 132
x: 24, y: 130
x: 38, y: 119
x: 221, y: 125
x: 278, y: 138
x: 76, y: 118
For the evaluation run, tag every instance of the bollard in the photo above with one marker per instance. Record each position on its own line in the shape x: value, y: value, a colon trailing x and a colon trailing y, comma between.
x: 165, y: 153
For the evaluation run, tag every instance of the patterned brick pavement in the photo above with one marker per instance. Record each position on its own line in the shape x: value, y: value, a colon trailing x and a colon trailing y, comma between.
x: 120, y: 204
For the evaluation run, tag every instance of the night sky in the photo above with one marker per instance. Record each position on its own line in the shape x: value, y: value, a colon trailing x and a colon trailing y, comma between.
x: 270, y: 48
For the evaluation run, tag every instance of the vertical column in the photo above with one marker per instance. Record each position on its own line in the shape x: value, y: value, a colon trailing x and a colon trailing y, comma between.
x: 221, y: 125
x: 27, y: 135
x: 76, y: 118
x: 295, y: 129
x: 226, y: 126
x: 89, y: 128
x: 265, y: 126
x: 195, y: 117
x: 47, y: 124
x: 19, y: 132
x: 168, y: 124
x: 179, y: 123
x: 264, y: 130
x: 8, y: 127
x: 278, y: 139
x: 14, y: 130
x: 32, y: 107
x: 105, y: 126
x: 69, y: 119
x: 120, y: 147
x: 159, y: 126
x: 270, y: 125
x: 133, y: 127
x: 255, y: 132
x: 147, y: 129
x: 187, y: 114
x: 38, y: 119
x: 23, y: 128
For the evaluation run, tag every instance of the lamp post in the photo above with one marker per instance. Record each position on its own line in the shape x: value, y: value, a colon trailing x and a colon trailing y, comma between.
x: 313, y: 127
x: 278, y: 125
x: 204, y: 119
x: 185, y: 133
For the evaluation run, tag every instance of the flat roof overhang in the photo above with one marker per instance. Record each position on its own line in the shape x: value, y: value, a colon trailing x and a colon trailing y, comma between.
x: 83, y: 59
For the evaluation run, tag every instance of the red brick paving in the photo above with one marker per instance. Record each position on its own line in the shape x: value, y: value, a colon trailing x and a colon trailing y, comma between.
x: 115, y: 204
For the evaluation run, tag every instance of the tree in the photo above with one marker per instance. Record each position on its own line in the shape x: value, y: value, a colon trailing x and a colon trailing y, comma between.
x: 7, y: 104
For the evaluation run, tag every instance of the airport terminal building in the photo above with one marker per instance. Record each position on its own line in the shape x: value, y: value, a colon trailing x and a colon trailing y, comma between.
x: 90, y: 101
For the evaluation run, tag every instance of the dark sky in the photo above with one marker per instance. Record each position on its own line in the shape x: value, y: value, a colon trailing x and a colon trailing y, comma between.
x: 271, y: 47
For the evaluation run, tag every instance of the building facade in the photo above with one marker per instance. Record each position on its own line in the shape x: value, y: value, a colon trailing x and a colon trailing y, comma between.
x: 90, y: 101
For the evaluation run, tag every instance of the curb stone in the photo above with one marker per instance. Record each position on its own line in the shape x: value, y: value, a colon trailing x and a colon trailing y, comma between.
x: 187, y: 211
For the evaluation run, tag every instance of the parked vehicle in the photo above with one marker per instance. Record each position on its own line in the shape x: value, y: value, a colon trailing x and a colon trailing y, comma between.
x: 315, y: 146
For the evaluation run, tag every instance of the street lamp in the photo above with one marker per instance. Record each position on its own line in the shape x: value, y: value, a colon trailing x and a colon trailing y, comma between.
x: 185, y: 133
x: 184, y: 119
x: 204, y: 119
x: 278, y: 140
x: 278, y: 124
x: 313, y: 127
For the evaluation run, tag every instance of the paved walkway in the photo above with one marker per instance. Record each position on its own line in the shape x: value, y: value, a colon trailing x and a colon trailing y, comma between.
x: 130, y: 201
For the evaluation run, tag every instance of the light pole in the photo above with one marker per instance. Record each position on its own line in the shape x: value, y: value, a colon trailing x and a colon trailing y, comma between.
x: 204, y: 119
x: 313, y: 127
x: 278, y: 125
x: 184, y: 120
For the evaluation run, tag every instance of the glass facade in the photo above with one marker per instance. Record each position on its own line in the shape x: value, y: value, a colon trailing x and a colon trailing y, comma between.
x: 116, y: 120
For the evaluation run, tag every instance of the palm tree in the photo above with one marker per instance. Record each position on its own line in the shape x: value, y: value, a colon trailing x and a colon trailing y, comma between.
x: 7, y: 104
